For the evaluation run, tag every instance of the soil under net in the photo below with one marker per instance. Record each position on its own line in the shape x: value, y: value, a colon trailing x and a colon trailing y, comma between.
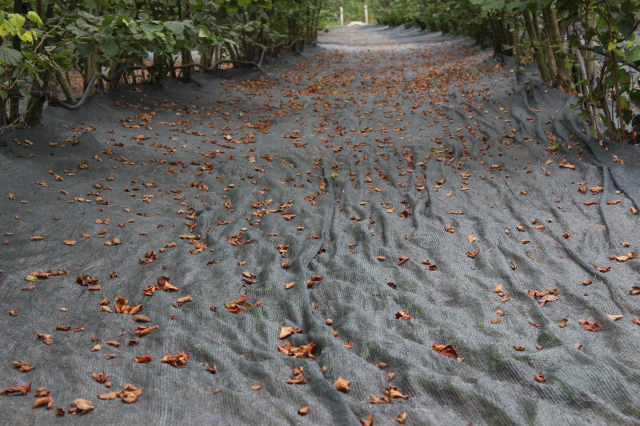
x: 409, y: 184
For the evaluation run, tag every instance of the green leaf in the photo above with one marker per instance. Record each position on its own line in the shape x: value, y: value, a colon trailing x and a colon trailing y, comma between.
x: 5, y: 29
x: 25, y: 35
x: 175, y: 27
x: 25, y: 93
x: 584, y: 115
x: 17, y: 20
x: 203, y: 32
x: 87, y: 49
x: 9, y: 56
x: 624, y: 103
x: 33, y: 17
x: 109, y: 47
x: 1, y: 17
x: 30, y: 56
x: 62, y: 62
x: 243, y: 3
x: 633, y: 55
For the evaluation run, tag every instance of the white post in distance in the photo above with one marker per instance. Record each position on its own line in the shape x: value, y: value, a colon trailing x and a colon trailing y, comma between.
x: 366, y: 15
x: 341, y: 16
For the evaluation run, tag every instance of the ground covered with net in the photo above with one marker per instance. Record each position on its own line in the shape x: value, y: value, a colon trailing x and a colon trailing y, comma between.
x: 391, y: 227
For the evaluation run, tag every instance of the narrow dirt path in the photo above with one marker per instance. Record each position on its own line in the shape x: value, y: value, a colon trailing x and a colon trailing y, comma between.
x: 392, y: 224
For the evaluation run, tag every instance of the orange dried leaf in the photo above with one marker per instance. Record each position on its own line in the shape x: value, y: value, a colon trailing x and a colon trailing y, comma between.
x: 178, y: 360
x: 23, y: 389
x: 81, y: 406
x: 143, y: 359
x: 341, y: 384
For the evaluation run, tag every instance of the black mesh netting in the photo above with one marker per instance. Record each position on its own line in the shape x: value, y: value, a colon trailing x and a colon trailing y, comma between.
x: 380, y: 143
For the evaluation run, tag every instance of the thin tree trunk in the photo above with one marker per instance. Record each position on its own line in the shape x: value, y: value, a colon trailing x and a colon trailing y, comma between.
x: 35, y: 106
x: 65, y: 87
x: 551, y: 59
x: 540, y: 59
x: 588, y: 54
x: 90, y: 68
x: 186, y: 59
x: 14, y: 103
x: 544, y: 41
x: 551, y: 23
x: 497, y: 36
x: 513, y: 29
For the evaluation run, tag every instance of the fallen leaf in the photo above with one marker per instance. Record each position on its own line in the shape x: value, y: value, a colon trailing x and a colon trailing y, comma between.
x: 23, y: 389
x: 540, y: 378
x: 81, y: 406
x: 178, y: 360
x: 297, y: 376
x: 100, y: 377
x: 184, y: 300
x: 69, y: 242
x: 547, y: 298
x: 45, y: 401
x: 562, y: 322
x: 285, y: 332
x: 303, y: 351
x: 165, y: 284
x: 108, y: 396
x: 447, y: 350
x: 313, y: 280
x: 368, y: 421
x: 141, y: 318
x: 341, y: 384
x: 23, y: 366
x: 404, y: 316
x: 46, y: 338
x: 473, y: 254
x: 615, y: 317
x: 378, y: 400
x: 142, y: 330
x: 303, y: 411
x: 591, y: 326
x: 129, y: 393
x: 239, y: 305
x: 393, y: 392
x: 143, y: 359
